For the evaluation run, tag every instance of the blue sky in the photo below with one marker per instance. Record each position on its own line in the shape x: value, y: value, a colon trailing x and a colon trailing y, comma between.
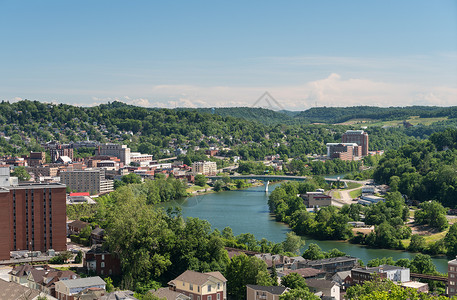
x: 214, y: 53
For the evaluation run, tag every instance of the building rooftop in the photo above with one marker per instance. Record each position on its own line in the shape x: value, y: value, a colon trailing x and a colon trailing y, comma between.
x: 320, y: 283
x: 197, y: 277
x: 83, y: 282
x: 275, y: 290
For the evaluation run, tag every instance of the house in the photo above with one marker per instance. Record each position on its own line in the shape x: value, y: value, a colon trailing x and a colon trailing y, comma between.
x: 97, y: 236
x: 452, y: 277
x: 15, y: 291
x: 280, y: 262
x: 324, y: 288
x: 49, y: 279
x: 342, y: 278
x: 76, y: 227
x: 169, y: 294
x: 394, y: 273
x: 68, y: 289
x: 200, y: 286
x: 419, y: 286
x: 20, y: 273
x: 370, y: 199
x: 119, y: 295
x: 258, y: 292
x: 102, y: 262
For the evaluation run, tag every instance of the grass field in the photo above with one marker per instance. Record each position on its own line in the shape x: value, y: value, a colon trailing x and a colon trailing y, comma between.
x: 336, y: 195
x: 353, y: 185
x: 429, y: 239
x: 355, y: 193
x: 414, y: 120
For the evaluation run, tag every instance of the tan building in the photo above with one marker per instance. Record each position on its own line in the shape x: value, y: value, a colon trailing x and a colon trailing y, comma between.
x: 200, y: 286
x: 317, y: 199
x: 452, y: 277
x: 120, y: 151
x: 204, y: 167
x: 258, y: 292
x: 88, y: 180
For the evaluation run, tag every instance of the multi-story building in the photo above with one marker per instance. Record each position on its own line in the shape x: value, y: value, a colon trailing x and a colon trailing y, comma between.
x: 452, y: 277
x: 317, y: 199
x: 88, y: 180
x: 36, y: 159
x: 394, y: 273
x: 102, y: 262
x: 344, y: 151
x: 200, y: 286
x: 57, y: 150
x: 359, y: 137
x: 204, y: 167
x: 32, y: 217
x: 120, y: 151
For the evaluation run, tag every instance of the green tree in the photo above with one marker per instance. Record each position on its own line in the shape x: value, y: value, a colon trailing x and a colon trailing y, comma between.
x: 450, y: 240
x: 21, y: 173
x: 294, y: 281
x: 136, y: 233
x: 109, y: 284
x: 218, y: 185
x: 300, y: 294
x: 243, y: 270
x: 417, y: 243
x: 293, y: 243
x: 432, y: 213
x: 131, y: 178
x: 313, y: 252
x: 423, y: 264
x: 200, y: 180
x: 79, y: 257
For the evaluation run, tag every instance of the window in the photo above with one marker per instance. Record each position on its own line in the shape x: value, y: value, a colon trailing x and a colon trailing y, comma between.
x: 103, y: 256
x: 452, y: 275
x: 198, y: 289
x: 102, y: 264
x: 218, y: 285
x: 451, y: 268
x: 452, y: 282
x: 191, y: 286
x: 209, y: 287
x: 218, y: 296
x: 209, y: 298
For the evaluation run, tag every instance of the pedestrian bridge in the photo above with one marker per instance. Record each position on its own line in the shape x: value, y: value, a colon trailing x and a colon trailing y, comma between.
x: 267, y: 178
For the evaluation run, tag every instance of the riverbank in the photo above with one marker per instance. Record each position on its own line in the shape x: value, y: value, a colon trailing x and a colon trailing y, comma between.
x: 246, y: 211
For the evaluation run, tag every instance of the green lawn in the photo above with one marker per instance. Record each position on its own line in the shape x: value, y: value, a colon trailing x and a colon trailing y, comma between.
x: 353, y: 185
x: 355, y: 193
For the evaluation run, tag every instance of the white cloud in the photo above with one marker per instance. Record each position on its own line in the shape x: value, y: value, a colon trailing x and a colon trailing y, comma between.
x: 334, y: 90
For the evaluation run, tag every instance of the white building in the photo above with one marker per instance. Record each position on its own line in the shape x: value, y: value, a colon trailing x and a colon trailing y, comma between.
x: 204, y: 167
x: 120, y: 151
x: 65, y: 289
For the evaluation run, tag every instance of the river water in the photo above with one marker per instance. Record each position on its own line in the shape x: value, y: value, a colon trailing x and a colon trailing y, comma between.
x: 247, y: 211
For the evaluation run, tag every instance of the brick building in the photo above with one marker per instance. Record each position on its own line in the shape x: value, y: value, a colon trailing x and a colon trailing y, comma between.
x: 359, y: 137
x: 32, y: 217
x: 102, y: 262
x: 344, y: 151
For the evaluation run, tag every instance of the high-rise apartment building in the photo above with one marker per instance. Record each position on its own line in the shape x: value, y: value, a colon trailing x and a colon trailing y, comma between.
x: 120, y: 151
x: 452, y: 277
x: 32, y: 217
x: 359, y: 137
x: 88, y: 180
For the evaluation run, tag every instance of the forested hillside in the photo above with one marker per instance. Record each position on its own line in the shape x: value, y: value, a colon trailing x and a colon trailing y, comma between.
x: 249, y: 132
x: 423, y: 170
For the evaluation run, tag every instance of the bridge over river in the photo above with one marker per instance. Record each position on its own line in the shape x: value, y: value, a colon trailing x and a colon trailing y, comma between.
x: 267, y: 178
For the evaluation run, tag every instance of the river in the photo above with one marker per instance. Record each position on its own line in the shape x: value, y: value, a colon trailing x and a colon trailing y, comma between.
x: 247, y: 211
